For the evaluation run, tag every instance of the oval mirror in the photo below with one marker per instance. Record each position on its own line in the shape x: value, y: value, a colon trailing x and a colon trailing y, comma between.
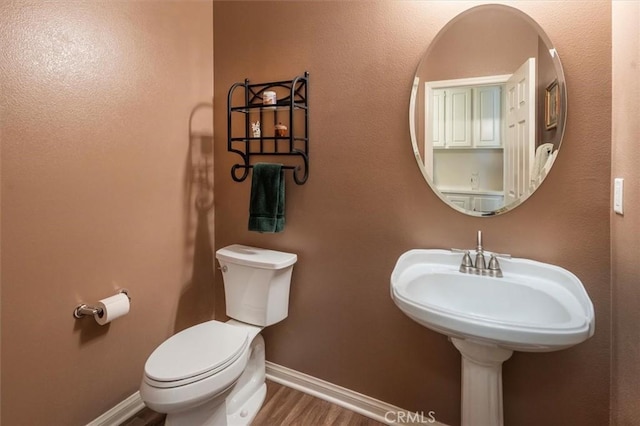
x: 487, y: 110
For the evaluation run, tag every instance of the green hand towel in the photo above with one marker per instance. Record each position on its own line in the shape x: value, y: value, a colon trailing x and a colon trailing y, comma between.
x: 266, y: 208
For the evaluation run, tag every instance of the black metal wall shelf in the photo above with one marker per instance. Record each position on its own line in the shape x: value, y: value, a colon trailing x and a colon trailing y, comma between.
x: 245, y: 105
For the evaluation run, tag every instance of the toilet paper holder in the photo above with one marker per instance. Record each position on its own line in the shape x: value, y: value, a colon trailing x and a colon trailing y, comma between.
x: 84, y: 310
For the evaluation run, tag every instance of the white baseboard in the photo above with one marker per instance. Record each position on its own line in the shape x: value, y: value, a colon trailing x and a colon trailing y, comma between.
x: 121, y: 412
x: 351, y: 400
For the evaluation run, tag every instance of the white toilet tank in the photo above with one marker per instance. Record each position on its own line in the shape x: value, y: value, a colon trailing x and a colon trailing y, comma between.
x: 256, y: 283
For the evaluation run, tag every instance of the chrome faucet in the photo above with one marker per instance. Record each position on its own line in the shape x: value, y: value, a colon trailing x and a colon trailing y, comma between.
x: 480, y: 267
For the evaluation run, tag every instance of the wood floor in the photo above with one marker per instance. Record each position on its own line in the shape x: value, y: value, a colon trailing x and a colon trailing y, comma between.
x: 283, y: 406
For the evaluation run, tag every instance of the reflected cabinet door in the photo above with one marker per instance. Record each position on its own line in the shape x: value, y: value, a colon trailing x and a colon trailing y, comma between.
x: 458, y: 117
x: 487, y: 111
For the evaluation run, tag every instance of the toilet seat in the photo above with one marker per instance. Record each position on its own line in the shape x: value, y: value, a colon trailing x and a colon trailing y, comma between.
x: 195, y: 354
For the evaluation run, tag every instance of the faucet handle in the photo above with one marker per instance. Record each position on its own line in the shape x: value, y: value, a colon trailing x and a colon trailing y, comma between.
x: 494, y: 266
x: 500, y: 255
x: 466, y: 265
x: 455, y: 250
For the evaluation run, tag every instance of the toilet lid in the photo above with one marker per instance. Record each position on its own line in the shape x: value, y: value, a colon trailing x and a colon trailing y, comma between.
x: 195, y: 353
x: 256, y: 257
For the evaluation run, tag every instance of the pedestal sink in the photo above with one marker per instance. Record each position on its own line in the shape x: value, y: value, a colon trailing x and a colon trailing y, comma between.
x: 534, y: 307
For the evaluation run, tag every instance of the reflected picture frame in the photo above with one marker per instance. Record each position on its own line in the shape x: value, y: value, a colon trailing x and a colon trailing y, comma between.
x: 551, y: 105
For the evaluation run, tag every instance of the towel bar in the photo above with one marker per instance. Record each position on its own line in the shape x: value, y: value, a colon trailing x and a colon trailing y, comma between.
x: 246, y: 167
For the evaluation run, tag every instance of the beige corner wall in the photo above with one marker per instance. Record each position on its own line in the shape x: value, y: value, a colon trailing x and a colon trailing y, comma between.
x: 625, y: 230
x: 96, y: 98
x: 366, y: 202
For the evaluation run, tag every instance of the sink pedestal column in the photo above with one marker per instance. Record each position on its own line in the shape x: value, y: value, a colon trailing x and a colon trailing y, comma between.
x: 481, y: 382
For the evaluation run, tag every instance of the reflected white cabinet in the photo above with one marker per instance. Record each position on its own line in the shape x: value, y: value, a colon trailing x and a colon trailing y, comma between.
x: 436, y: 118
x: 487, y: 203
x: 451, y: 117
x: 478, y: 202
x: 465, y: 117
x: 457, y: 118
x: 487, y: 114
x: 462, y: 201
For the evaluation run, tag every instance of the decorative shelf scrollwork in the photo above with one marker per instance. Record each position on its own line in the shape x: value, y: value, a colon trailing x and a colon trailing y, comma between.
x: 255, y: 128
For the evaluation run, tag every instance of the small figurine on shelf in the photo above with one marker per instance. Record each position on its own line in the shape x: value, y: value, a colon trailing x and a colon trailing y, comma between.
x: 255, y: 127
x: 281, y: 130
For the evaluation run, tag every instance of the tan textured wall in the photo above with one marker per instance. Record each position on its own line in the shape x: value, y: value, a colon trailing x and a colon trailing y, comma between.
x: 96, y: 98
x: 366, y: 202
x: 625, y: 230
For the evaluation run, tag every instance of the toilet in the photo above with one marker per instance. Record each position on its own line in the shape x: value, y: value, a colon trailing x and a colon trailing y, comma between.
x: 213, y: 374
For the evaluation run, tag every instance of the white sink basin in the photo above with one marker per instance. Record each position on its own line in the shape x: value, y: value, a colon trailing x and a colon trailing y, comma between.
x: 535, y: 307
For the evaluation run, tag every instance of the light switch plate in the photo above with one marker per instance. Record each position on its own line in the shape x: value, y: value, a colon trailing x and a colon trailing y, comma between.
x: 618, y: 195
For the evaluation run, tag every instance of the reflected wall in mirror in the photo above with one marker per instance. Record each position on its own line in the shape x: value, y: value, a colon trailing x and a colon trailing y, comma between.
x: 487, y: 110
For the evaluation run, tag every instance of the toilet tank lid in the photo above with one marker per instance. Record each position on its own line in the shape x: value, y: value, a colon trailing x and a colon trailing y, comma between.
x: 256, y: 257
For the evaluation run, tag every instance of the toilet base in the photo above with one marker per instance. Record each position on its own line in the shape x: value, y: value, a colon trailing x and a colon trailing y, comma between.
x: 236, y: 406
x: 215, y: 414
x: 212, y: 413
x: 247, y: 413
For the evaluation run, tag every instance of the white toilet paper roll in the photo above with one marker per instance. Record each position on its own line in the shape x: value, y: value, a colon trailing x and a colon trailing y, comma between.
x: 112, y: 307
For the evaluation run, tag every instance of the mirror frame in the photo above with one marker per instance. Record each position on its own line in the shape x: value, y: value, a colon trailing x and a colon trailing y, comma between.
x: 561, y: 119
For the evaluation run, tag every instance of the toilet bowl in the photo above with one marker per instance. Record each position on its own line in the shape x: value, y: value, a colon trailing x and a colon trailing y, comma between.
x: 213, y: 374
